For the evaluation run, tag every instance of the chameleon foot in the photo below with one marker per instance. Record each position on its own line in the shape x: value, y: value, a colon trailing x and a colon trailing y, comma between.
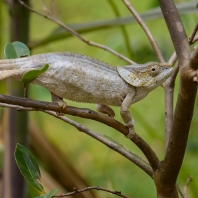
x: 131, y: 133
x: 105, y: 109
x: 131, y: 128
x: 61, y: 103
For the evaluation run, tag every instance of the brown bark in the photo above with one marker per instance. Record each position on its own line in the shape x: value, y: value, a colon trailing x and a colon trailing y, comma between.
x: 166, y: 175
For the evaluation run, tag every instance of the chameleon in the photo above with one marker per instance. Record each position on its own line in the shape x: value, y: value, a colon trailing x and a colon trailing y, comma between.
x: 83, y: 79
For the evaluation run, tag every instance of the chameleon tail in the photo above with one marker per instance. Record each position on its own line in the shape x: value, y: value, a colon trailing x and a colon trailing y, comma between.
x: 12, y: 67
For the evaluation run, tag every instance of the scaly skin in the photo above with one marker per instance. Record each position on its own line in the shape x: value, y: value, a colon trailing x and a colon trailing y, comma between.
x: 83, y: 79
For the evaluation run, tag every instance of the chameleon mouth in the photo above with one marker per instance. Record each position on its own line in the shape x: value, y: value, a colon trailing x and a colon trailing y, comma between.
x: 165, y: 74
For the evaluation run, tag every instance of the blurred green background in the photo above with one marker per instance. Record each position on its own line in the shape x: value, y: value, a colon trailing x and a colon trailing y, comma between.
x: 96, y: 163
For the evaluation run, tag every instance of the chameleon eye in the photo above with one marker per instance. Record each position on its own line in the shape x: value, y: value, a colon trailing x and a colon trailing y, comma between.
x: 154, y: 71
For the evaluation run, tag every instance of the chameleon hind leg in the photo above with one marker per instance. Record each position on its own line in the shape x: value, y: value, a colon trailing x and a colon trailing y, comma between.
x: 61, y: 103
x: 105, y: 109
x: 126, y: 116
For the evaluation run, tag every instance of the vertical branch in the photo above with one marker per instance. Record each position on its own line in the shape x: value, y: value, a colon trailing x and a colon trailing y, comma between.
x: 169, y: 90
x: 176, y: 29
x: 146, y: 30
x: 16, y: 123
x: 186, y: 97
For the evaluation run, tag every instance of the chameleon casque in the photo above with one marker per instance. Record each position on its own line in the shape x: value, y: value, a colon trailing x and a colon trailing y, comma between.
x: 83, y: 79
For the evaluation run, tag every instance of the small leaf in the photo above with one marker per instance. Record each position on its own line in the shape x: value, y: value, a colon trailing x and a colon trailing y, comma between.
x: 9, y: 51
x: 28, y: 166
x: 48, y: 195
x: 21, y: 49
x: 31, y: 75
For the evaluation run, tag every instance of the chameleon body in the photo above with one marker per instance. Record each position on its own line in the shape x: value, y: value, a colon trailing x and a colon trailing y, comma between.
x: 83, y: 79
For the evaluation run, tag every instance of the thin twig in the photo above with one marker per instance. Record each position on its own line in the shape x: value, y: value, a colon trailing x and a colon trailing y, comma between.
x: 180, y: 192
x: 173, y: 58
x: 74, y: 33
x: 195, y: 39
x: 169, y: 85
x: 125, y: 148
x: 192, y: 35
x: 101, y: 139
x: 186, y: 186
x: 118, y: 193
x: 146, y: 30
x: 140, y: 163
x: 17, y: 107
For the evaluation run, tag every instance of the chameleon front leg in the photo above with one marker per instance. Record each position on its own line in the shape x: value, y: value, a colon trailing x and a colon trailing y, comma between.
x: 125, y: 114
x: 61, y: 103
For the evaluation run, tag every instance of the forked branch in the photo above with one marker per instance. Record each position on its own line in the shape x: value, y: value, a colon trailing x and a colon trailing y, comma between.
x: 185, y: 103
x: 47, y: 107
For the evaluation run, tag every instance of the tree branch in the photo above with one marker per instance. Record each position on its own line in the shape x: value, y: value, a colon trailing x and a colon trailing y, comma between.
x: 185, y: 103
x: 74, y: 33
x: 101, y: 139
x: 129, y: 155
x: 89, y: 114
x: 186, y: 186
x: 192, y: 35
x: 114, y: 146
x: 155, y: 13
x: 146, y: 30
x: 192, y: 39
x: 176, y: 29
x: 169, y: 85
x: 118, y: 193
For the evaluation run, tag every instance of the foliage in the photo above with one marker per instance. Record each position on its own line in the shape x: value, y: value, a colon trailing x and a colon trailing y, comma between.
x: 30, y: 170
x: 28, y: 166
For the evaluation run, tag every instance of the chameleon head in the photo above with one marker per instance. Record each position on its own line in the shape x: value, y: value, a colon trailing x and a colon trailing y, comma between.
x: 149, y: 75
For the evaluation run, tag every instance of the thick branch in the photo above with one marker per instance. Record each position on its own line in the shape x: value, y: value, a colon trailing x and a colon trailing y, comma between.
x: 89, y: 114
x: 179, y: 135
x: 185, y: 104
x: 176, y: 29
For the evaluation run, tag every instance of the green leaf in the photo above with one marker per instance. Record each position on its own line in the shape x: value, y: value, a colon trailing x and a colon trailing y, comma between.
x: 28, y: 166
x: 21, y: 49
x: 31, y: 75
x: 48, y: 195
x: 9, y: 51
